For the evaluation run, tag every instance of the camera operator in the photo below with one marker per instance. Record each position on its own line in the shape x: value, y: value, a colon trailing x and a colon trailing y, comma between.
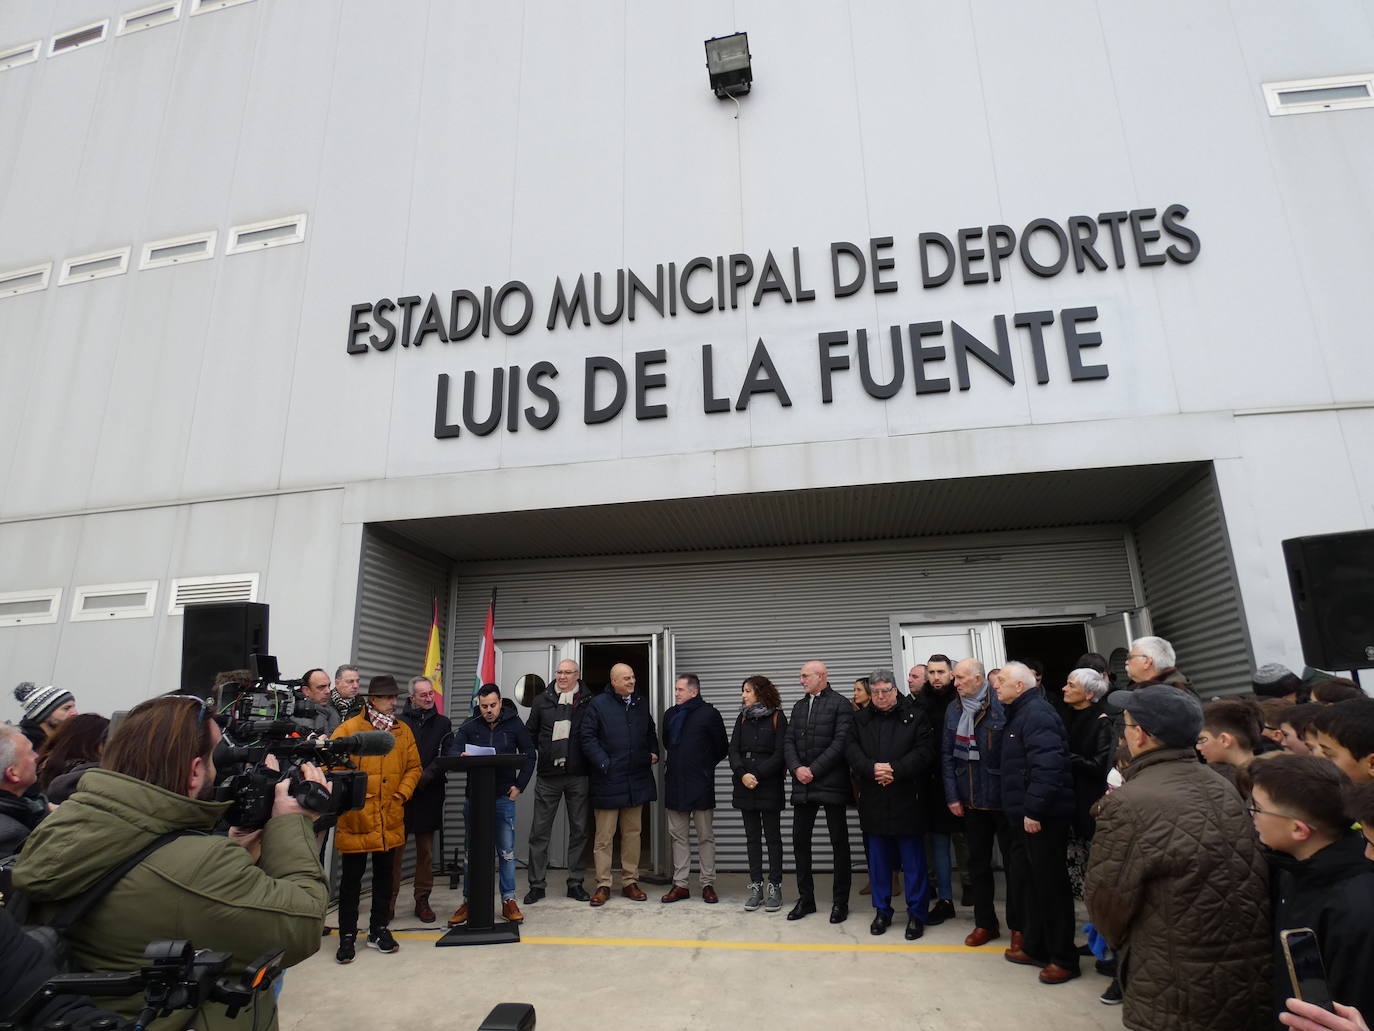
x: 242, y: 894
x: 314, y: 689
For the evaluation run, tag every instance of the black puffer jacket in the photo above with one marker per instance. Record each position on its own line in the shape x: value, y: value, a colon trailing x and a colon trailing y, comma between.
x: 1332, y: 893
x: 901, y: 737
x: 1036, y: 781
x: 425, y: 809
x: 936, y: 705
x: 19, y: 815
x: 756, y: 747
x: 619, y: 743
x: 820, y: 745
x: 543, y: 716
x: 507, y: 736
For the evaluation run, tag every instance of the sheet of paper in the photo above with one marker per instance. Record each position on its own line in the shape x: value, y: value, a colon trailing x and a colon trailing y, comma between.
x: 479, y: 750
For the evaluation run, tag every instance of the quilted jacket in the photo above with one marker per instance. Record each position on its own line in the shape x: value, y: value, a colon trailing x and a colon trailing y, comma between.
x: 380, y: 824
x: 820, y: 743
x: 1177, y: 883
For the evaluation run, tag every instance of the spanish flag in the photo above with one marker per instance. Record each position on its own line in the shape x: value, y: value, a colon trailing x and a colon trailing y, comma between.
x: 434, y: 663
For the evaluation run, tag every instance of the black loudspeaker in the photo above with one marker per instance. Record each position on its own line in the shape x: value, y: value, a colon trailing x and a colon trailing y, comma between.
x: 219, y: 637
x: 1332, y: 580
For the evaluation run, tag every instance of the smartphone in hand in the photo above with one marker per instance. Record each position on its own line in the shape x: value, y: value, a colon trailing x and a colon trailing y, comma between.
x: 1306, y: 970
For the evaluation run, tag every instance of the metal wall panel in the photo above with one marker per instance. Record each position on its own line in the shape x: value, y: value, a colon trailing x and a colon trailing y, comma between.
x: 736, y: 614
x: 1190, y: 586
x: 396, y: 595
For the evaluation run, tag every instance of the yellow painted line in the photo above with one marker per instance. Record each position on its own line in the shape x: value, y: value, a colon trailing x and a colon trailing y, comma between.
x: 689, y: 943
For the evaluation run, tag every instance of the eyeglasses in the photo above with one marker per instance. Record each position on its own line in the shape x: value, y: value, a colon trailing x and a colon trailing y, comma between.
x: 1255, y: 810
x: 204, y: 705
x: 882, y: 690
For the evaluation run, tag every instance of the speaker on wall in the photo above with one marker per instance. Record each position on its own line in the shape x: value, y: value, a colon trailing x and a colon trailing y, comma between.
x: 218, y: 637
x: 1332, y: 580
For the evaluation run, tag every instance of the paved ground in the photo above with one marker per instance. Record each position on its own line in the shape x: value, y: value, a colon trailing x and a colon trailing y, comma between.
x: 689, y: 965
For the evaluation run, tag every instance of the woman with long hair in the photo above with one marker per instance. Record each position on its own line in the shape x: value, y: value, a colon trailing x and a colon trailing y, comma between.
x: 70, y: 751
x: 756, y: 759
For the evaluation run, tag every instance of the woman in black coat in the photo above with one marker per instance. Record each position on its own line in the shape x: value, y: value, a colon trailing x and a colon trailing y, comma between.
x: 1090, y: 752
x: 756, y: 759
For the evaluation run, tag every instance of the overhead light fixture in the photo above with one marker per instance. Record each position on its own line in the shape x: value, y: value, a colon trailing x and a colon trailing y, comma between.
x: 727, y: 62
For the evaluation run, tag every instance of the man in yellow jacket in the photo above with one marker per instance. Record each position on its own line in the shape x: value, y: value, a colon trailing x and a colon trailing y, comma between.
x: 379, y: 826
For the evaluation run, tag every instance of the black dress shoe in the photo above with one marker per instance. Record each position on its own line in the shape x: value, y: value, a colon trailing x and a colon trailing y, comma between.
x: 576, y: 891
x: 881, y: 922
x: 839, y: 912
x: 914, y: 929
x: 940, y: 912
x: 802, y: 908
x: 533, y: 895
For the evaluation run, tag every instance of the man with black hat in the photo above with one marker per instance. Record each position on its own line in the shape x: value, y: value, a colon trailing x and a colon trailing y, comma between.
x: 378, y: 827
x: 1176, y: 881
x: 45, y: 709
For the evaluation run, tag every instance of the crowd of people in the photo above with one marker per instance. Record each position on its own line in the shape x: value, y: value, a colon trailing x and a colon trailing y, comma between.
x: 1193, y: 834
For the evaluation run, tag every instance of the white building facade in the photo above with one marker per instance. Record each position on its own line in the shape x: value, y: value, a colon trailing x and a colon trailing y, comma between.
x: 1007, y: 329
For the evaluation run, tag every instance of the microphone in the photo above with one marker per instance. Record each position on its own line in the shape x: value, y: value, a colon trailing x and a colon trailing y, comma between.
x: 367, y: 742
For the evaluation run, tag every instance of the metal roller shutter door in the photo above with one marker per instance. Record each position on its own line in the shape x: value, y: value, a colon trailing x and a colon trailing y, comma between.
x: 1190, y: 586
x: 735, y: 614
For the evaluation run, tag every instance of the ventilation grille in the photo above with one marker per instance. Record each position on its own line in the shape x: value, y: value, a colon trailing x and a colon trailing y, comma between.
x: 195, y: 590
x: 75, y: 39
x: 206, y: 6
x: 1309, y: 96
x: 277, y: 232
x: 94, y: 266
x: 149, y: 17
x: 13, y: 57
x: 28, y: 608
x: 113, y: 601
x: 25, y: 280
x: 178, y: 250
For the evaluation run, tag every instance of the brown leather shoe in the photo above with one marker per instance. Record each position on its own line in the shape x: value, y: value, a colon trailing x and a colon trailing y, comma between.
x: 981, y: 936
x: 422, y: 911
x: 1023, y: 958
x: 459, y: 917
x: 708, y: 894
x: 677, y: 894
x: 631, y: 891
x: 1018, y: 940
x: 601, y: 896
x: 1055, y: 974
x: 510, y: 911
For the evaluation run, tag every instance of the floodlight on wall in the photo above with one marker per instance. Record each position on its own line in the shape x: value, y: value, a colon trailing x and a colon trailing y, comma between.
x: 727, y: 62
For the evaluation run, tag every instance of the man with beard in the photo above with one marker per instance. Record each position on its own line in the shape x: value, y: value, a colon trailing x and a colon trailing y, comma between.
x: 946, y: 831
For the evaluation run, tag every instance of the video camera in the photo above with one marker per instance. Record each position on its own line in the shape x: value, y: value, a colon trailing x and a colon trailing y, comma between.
x: 257, y: 722
x: 174, y: 976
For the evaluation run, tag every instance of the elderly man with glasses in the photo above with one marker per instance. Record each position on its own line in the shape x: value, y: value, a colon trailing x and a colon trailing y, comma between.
x: 1176, y: 881
x: 891, y: 749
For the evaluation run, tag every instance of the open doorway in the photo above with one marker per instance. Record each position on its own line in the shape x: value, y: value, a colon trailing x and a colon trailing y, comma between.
x: 597, y: 660
x: 1057, y: 646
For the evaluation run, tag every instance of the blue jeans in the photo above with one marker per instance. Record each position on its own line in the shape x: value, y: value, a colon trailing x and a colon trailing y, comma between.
x: 886, y: 852
x: 505, y: 847
x: 942, y: 864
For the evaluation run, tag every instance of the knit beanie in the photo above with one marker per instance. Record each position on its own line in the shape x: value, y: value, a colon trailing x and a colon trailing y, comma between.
x: 39, y: 702
x: 1274, y: 680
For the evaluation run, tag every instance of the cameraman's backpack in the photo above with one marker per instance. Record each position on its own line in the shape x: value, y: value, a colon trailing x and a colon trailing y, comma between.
x: 51, y: 935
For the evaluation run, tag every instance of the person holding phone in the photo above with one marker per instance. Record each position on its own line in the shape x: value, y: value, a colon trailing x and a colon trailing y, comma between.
x: 1321, y: 877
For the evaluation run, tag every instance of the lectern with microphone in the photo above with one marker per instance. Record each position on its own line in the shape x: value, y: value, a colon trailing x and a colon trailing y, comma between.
x: 482, y: 927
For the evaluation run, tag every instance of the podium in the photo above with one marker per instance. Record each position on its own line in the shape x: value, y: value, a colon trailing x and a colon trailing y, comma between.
x: 482, y: 927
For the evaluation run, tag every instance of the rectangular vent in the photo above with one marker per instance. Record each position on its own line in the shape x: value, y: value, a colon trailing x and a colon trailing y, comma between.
x: 114, y: 601
x: 178, y: 250
x: 94, y: 266
x: 193, y: 590
x: 1308, y: 96
x: 206, y: 6
x: 277, y: 232
x: 149, y: 17
x: 75, y: 39
x: 13, y: 57
x: 25, y: 280
x: 28, y: 608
